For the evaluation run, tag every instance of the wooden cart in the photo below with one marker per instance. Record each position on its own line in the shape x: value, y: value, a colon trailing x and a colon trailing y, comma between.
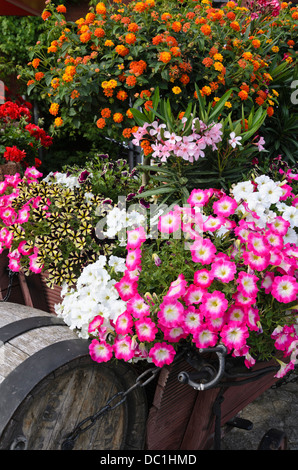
x: 49, y: 385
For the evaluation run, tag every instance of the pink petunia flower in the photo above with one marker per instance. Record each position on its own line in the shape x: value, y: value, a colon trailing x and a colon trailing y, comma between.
x: 177, y: 288
x: 205, y: 337
x: 279, y: 225
x: 225, y: 206
x: 95, y: 324
x: 192, y: 319
x: 23, y: 250
x: 8, y: 215
x: 253, y: 318
x: 137, y: 306
x: 124, y: 324
x: 162, y: 354
x: 202, y: 251
x: 174, y: 334
x: 274, y: 240
x: 234, y: 335
x: 223, y: 270
x: 170, y: 312
x: 256, y: 262
x: 267, y: 281
x: 23, y: 214
x: 257, y: 244
x: 126, y: 288
x: 203, y: 278
x: 169, y: 223
x: 244, y: 300
x: 100, y: 351
x: 236, y: 313
x: 135, y: 238
x: 214, y: 304
x: 198, y: 197
x: 123, y: 348
x: 247, y: 284
x: 194, y: 294
x: 146, y: 329
x: 212, y: 224
x: 34, y: 264
x: 284, y: 288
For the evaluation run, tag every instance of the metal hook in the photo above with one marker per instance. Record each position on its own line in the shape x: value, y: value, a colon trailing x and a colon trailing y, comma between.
x: 221, y: 352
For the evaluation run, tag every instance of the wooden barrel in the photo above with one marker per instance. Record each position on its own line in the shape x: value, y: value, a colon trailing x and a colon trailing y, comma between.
x: 48, y: 384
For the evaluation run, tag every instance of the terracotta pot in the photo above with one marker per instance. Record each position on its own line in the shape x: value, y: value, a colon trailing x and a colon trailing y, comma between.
x: 9, y: 168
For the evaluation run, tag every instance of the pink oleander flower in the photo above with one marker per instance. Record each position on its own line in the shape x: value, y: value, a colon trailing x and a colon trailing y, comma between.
x: 247, y: 284
x: 203, y: 278
x: 284, y: 288
x: 205, y: 337
x: 162, y: 354
x: 100, y: 351
x: 146, y: 329
x: 126, y: 288
x: 135, y: 238
x: 225, y: 206
x: 214, y: 304
x: 234, y: 336
x: 202, y: 251
x: 124, y: 324
x: 169, y: 223
x: 95, y: 324
x: 223, y: 270
x: 170, y: 312
x: 137, y: 306
x: 123, y: 348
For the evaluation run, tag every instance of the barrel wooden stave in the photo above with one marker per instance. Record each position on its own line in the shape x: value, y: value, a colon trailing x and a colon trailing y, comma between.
x: 48, y: 396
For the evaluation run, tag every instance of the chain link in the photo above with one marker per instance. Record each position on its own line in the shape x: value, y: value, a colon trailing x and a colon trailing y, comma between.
x: 11, y: 275
x: 291, y: 377
x: 70, y: 439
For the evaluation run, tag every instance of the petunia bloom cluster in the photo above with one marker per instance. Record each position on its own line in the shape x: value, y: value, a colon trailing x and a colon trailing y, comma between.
x: 237, y: 279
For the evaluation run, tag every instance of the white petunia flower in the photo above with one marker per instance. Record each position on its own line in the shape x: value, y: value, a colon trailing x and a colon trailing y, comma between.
x: 117, y: 263
x: 271, y: 191
x: 243, y: 190
x: 291, y: 215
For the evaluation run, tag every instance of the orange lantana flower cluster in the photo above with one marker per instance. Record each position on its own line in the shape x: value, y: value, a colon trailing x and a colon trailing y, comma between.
x: 107, y: 59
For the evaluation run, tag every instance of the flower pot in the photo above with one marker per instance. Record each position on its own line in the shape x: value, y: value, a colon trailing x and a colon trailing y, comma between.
x: 9, y: 168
